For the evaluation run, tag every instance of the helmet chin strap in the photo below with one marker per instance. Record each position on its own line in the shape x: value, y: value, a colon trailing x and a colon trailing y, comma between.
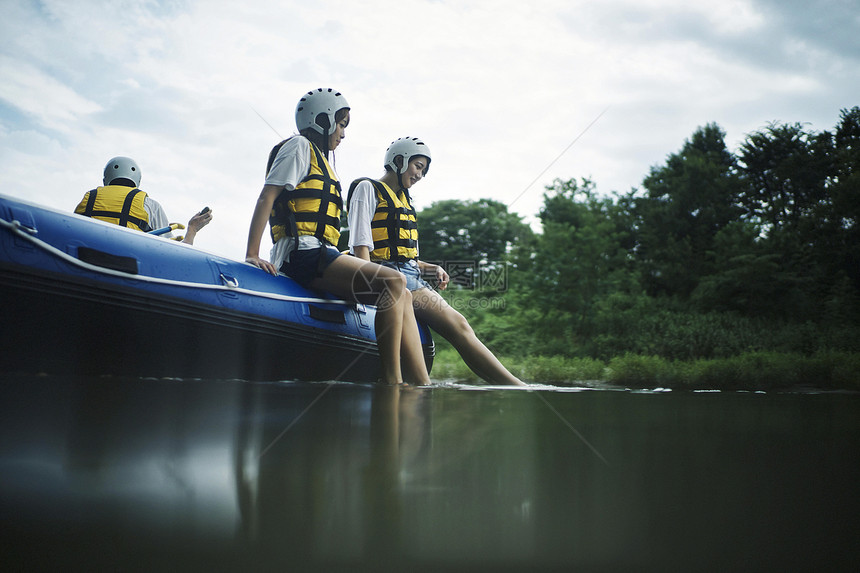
x: 325, y: 139
x: 402, y: 186
x: 400, y: 175
x: 326, y: 142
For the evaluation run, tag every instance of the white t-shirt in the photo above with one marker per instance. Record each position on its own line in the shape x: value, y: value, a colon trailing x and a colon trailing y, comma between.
x: 362, y: 208
x: 290, y: 167
x: 156, y: 214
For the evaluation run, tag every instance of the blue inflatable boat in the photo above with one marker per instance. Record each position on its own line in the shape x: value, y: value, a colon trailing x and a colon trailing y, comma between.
x: 80, y: 296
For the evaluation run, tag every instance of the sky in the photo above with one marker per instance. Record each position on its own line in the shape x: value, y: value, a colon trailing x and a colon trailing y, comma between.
x: 508, y: 94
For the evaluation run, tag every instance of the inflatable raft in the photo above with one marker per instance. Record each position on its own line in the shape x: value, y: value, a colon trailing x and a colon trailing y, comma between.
x: 80, y: 296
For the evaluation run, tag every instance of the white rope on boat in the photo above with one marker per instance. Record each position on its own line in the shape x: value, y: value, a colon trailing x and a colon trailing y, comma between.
x: 21, y: 230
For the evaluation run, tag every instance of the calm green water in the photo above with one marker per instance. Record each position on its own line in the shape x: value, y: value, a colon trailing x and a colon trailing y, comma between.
x: 145, y: 474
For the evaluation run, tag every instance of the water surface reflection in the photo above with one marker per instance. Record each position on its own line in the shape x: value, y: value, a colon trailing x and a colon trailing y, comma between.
x: 200, y: 474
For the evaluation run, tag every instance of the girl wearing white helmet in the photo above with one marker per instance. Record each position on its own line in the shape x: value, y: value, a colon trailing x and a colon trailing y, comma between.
x: 384, y: 229
x: 301, y: 201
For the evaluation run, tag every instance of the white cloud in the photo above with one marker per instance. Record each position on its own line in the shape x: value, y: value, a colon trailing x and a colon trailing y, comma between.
x: 497, y: 89
x: 52, y: 104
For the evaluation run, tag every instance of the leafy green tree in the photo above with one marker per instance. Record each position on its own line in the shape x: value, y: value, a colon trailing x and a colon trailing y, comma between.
x: 747, y: 277
x: 687, y: 202
x: 582, y: 256
x: 802, y: 187
x: 785, y: 170
x: 843, y: 225
x: 482, y: 231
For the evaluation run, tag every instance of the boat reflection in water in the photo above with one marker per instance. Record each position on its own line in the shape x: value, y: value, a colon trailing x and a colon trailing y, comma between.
x: 201, y: 474
x: 104, y: 469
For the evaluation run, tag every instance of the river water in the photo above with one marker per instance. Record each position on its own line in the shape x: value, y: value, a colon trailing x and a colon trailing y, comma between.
x: 146, y: 474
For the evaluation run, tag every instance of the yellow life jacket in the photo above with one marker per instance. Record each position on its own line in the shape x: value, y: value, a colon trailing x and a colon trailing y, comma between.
x: 394, y: 226
x: 116, y: 204
x: 313, y: 207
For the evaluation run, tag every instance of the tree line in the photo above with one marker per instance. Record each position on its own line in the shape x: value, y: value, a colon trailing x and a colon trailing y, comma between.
x: 717, y: 254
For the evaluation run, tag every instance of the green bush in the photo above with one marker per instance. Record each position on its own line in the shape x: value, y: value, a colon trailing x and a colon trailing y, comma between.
x: 749, y: 371
x: 449, y: 366
x: 561, y: 370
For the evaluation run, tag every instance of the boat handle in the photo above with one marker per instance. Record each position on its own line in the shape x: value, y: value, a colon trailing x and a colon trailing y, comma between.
x: 31, y: 229
x: 229, y: 281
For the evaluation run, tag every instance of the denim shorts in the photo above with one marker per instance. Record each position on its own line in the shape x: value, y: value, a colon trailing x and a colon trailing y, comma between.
x: 307, y: 264
x: 412, y: 273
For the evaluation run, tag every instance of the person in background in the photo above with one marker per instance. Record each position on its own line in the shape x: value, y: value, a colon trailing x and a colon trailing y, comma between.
x: 122, y: 203
x: 384, y: 229
x: 301, y: 202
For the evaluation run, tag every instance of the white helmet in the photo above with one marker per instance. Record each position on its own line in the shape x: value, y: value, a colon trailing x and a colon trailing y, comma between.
x: 407, y: 147
x: 315, y: 102
x: 122, y: 168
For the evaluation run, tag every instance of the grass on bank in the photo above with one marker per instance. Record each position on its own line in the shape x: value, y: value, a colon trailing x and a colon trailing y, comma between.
x: 748, y: 371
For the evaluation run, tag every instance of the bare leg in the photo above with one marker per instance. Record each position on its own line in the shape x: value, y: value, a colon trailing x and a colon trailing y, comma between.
x: 412, y: 353
x: 355, y: 279
x: 453, y: 326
